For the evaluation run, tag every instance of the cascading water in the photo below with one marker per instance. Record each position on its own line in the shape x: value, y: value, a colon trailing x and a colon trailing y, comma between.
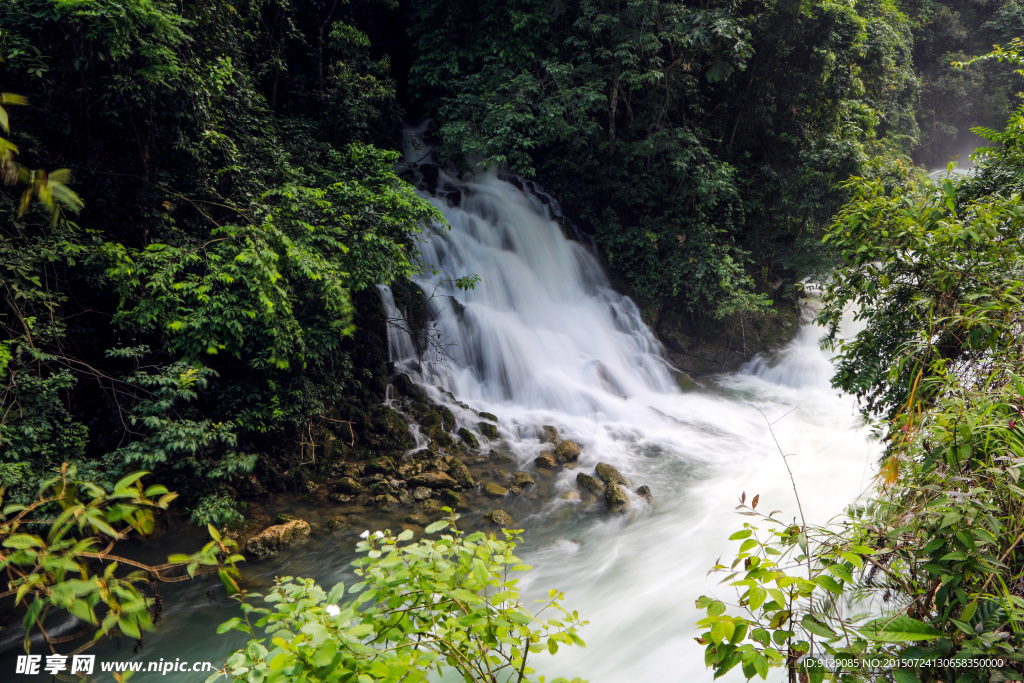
x: 544, y: 340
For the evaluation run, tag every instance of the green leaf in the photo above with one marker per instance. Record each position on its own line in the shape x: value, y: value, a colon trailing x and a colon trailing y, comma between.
x: 899, y: 629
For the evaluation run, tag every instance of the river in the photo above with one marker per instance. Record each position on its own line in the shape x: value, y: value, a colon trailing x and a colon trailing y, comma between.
x: 544, y: 340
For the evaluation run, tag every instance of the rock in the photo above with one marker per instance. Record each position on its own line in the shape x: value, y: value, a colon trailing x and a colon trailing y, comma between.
x: 453, y: 499
x: 488, y: 430
x: 385, y: 466
x: 417, y: 518
x: 618, y: 502
x: 573, y: 496
x: 495, y: 490
x: 284, y: 518
x: 549, y: 434
x: 404, y: 497
x: 337, y: 523
x: 609, y: 474
x: 447, y: 419
x: 444, y: 439
x: 410, y: 469
x: 431, y: 506
x: 645, y: 493
x: 685, y: 382
x: 468, y: 438
x: 353, y: 470
x: 422, y: 493
x: 349, y: 486
x: 567, y: 451
x: 523, y: 479
x: 339, y: 498
x: 385, y: 502
x: 501, y: 458
x: 405, y: 386
x: 460, y: 473
x: 589, y: 483
x: 273, y: 540
x: 434, y: 480
x: 545, y: 462
x: 488, y: 416
x: 499, y: 518
x: 515, y: 490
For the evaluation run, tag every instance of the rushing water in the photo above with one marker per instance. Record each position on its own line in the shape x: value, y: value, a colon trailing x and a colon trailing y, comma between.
x: 544, y: 340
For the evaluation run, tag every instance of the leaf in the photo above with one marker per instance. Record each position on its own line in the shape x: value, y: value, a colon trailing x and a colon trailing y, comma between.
x: 900, y: 629
x: 905, y: 676
x: 436, y: 526
x: 814, y: 626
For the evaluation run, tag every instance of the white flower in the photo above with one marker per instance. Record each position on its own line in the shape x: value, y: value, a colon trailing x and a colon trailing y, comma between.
x: 333, y: 610
x: 379, y: 534
x: 365, y: 534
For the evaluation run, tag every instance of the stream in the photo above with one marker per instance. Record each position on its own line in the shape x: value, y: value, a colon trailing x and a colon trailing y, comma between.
x: 543, y: 339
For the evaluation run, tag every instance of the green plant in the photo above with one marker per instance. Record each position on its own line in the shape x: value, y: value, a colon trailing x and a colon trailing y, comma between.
x: 449, y: 603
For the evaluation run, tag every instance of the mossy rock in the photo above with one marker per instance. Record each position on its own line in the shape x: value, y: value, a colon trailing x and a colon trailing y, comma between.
x: 384, y: 466
x: 609, y: 475
x: 453, y: 499
x: 447, y: 419
x: 499, y: 518
x: 432, y: 419
x: 549, y: 434
x: 422, y: 493
x: 618, y: 501
x: 417, y: 518
x: 567, y: 451
x: 468, y: 438
x: 404, y: 385
x: 444, y: 439
x: 488, y: 430
x: 488, y: 416
x: 339, y: 498
x: 523, y: 479
x: 589, y: 483
x: 460, y: 473
x: 495, y: 490
x: 385, y: 502
x: 284, y: 518
x: 348, y: 486
x: 545, y: 462
x: 645, y: 493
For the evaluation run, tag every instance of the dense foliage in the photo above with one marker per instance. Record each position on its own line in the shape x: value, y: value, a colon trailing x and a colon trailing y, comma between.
x: 433, y: 605
x: 923, y: 582
x: 202, y: 302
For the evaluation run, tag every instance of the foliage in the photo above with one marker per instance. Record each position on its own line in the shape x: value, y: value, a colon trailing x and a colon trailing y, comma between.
x: 57, y: 553
x: 449, y: 603
x: 933, y: 560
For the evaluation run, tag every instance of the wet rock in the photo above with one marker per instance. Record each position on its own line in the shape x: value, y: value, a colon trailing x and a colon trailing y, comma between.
x: 460, y: 473
x: 431, y: 173
x: 348, y: 486
x: 406, y: 387
x: 645, y: 493
x: 567, y: 451
x: 273, y: 540
x: 409, y: 469
x: 488, y: 430
x: 417, y: 518
x: 515, y: 491
x: 589, y: 483
x: 609, y: 474
x: 618, y: 502
x: 549, y: 434
x: 488, y: 416
x: 444, y: 439
x: 572, y: 496
x: 501, y: 458
x: 499, y: 518
x: 339, y: 498
x: 422, y: 493
x: 468, y: 438
x: 495, y: 490
x: 404, y: 497
x: 523, y: 479
x: 337, y: 523
x: 385, y: 502
x: 447, y: 419
x: 545, y: 462
x: 384, y: 466
x: 434, y: 480
x: 431, y: 506
x: 453, y: 499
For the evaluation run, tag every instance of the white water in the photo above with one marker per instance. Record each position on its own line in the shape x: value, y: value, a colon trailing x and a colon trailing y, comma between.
x: 543, y: 339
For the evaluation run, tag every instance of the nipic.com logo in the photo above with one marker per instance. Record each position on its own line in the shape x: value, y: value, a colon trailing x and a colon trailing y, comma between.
x: 34, y: 665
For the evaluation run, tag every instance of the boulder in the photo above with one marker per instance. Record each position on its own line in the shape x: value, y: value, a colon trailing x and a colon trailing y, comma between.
x: 545, y: 462
x: 488, y: 430
x: 417, y: 518
x: 453, y: 499
x: 499, y: 518
x: 645, y: 493
x: 348, y: 486
x: 460, y: 473
x: 422, y: 493
x: 549, y: 434
x: 447, y: 419
x: 618, y: 502
x: 571, y: 496
x: 339, y: 498
x: 567, y: 451
x: 385, y: 502
x: 609, y: 474
x: 488, y: 416
x: 495, y: 490
x: 405, y: 387
x: 385, y: 466
x: 468, y: 438
x: 273, y: 540
x: 434, y: 480
x: 589, y: 483
x: 523, y: 479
